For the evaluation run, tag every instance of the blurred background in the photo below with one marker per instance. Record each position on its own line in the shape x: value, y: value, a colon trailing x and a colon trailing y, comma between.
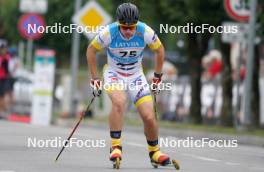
x: 217, y: 79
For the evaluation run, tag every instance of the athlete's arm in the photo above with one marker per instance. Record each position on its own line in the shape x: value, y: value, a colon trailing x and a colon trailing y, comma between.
x: 155, y: 45
x: 91, y: 59
x: 159, y: 59
x: 101, y: 41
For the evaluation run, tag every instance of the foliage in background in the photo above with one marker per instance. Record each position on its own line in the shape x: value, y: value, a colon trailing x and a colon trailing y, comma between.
x: 153, y: 12
x: 9, y: 14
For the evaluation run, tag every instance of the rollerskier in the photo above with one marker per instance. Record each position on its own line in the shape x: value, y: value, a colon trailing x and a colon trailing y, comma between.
x: 124, y: 42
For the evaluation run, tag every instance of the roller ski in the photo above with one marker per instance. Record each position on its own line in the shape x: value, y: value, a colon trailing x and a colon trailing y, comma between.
x: 157, y: 158
x: 115, y: 156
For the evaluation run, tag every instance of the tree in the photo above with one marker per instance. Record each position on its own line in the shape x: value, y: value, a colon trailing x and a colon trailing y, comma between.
x: 196, y: 12
x: 8, y: 20
x: 227, y: 84
x: 153, y: 12
x: 58, y: 12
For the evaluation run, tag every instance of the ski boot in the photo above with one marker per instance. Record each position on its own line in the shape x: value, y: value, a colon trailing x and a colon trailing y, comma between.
x: 157, y: 158
x: 115, y: 156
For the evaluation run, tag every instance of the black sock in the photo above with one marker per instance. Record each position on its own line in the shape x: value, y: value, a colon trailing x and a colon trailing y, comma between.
x: 115, y: 138
x: 115, y: 134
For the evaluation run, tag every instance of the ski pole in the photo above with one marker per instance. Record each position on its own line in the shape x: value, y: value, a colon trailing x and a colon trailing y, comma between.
x: 81, y: 117
x: 155, y: 106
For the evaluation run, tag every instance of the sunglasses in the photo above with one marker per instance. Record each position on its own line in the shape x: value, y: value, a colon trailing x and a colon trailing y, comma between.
x: 128, y: 27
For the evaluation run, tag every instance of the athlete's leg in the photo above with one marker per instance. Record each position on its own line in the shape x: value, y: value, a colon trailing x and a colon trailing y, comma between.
x: 144, y: 103
x: 146, y: 112
x: 141, y: 96
x: 116, y: 115
x: 118, y: 99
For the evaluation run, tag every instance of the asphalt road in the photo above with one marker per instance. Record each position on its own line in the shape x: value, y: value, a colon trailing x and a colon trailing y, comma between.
x: 17, y: 156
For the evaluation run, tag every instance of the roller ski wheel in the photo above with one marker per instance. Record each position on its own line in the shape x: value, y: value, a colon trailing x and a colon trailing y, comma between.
x: 162, y: 160
x: 116, y: 163
x: 154, y: 164
x: 115, y: 156
x: 173, y: 163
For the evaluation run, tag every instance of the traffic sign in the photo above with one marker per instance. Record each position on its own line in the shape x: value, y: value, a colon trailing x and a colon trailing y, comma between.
x: 239, y: 36
x: 238, y: 10
x: 90, y: 18
x: 28, y: 25
x: 33, y: 6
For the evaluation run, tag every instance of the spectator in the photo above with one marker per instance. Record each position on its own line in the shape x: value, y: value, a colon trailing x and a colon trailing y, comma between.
x: 211, y: 92
x: 4, y: 76
x: 216, y: 63
x: 206, y: 62
x: 13, y: 67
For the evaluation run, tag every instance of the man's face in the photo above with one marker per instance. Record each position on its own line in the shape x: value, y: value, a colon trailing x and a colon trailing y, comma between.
x: 128, y: 31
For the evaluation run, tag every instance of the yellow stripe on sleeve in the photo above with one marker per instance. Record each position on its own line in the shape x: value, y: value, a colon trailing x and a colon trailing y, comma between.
x: 155, y: 45
x: 96, y: 44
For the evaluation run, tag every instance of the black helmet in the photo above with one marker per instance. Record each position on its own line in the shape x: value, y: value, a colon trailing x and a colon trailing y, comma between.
x: 127, y: 13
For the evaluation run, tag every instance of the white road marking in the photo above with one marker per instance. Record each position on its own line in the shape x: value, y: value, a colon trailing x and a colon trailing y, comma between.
x: 232, y: 163
x: 135, y: 144
x: 202, y: 158
x: 257, y: 168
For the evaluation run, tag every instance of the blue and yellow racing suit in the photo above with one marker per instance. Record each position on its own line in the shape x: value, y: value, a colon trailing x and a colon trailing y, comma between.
x: 124, y: 57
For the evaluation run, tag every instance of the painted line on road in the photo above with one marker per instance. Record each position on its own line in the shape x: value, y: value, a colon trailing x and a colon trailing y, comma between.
x: 202, y: 158
x: 211, y: 159
x: 135, y: 144
x: 257, y: 168
x: 232, y: 163
x: 190, y: 155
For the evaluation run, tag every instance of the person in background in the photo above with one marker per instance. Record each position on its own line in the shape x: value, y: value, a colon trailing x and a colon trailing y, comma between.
x: 206, y: 62
x: 215, y: 68
x: 13, y: 67
x: 4, y: 77
x: 211, y: 85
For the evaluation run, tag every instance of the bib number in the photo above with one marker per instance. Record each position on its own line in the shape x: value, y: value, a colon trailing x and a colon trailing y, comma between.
x: 128, y: 53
